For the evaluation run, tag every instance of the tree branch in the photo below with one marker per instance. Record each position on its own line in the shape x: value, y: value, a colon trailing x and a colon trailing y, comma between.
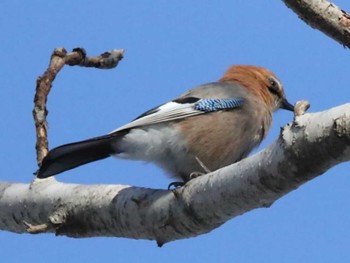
x: 324, y: 16
x: 308, y: 147
x: 59, y: 58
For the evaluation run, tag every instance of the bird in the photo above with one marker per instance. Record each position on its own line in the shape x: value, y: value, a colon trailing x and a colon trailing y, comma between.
x: 206, y: 128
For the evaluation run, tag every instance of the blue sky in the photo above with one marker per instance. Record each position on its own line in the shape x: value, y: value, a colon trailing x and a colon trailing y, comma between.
x: 170, y: 46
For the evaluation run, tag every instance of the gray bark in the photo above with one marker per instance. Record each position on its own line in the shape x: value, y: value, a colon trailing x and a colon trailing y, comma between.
x: 305, y: 149
x: 324, y: 16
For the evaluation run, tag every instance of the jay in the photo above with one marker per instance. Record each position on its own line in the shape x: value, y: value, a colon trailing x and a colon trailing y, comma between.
x: 206, y: 128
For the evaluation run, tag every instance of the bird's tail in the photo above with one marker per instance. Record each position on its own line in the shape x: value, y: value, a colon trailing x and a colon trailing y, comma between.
x: 71, y: 155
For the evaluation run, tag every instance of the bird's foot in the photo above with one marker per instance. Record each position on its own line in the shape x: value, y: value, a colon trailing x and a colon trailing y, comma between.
x: 175, y: 185
x: 195, y: 175
x: 180, y: 184
x: 191, y: 176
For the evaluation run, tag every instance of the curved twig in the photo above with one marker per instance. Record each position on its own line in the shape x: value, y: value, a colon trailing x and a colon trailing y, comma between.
x: 59, y: 58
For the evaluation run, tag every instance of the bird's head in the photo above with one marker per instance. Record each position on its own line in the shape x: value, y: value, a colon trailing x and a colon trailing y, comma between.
x: 261, y: 82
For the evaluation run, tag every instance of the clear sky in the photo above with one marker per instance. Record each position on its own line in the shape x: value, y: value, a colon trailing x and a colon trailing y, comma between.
x: 170, y: 46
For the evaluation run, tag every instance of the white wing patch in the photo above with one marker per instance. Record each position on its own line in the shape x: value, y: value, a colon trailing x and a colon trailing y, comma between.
x: 167, y: 112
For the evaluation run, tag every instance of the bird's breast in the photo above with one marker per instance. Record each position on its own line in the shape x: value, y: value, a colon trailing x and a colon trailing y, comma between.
x: 222, y: 138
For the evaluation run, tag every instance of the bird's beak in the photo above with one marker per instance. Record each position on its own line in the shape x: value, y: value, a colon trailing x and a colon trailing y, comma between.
x: 286, y: 105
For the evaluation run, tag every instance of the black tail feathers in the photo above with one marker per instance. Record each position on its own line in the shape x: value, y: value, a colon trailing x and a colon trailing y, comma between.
x: 71, y: 155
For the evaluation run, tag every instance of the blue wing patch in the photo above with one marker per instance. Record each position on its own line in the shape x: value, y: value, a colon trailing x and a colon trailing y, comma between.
x: 210, y: 105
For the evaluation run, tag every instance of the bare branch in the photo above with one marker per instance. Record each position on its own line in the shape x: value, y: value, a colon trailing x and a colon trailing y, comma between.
x: 324, y: 16
x: 59, y: 58
x: 308, y: 147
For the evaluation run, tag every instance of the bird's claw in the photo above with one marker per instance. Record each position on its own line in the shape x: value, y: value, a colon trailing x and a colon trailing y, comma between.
x: 175, y: 185
x: 180, y: 184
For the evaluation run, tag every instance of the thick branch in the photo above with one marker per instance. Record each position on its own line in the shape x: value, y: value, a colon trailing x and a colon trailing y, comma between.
x: 324, y: 16
x: 307, y: 148
x: 59, y: 58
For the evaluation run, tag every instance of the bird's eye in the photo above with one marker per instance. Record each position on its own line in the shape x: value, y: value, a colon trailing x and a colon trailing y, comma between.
x: 274, y: 86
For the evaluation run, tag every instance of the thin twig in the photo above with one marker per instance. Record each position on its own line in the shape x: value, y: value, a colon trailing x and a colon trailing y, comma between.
x: 36, y: 229
x: 59, y: 58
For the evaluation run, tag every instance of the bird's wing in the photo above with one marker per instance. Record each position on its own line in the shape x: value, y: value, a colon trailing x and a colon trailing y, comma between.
x: 182, y: 108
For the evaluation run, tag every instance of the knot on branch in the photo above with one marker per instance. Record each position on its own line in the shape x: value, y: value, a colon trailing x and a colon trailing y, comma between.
x: 342, y: 127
